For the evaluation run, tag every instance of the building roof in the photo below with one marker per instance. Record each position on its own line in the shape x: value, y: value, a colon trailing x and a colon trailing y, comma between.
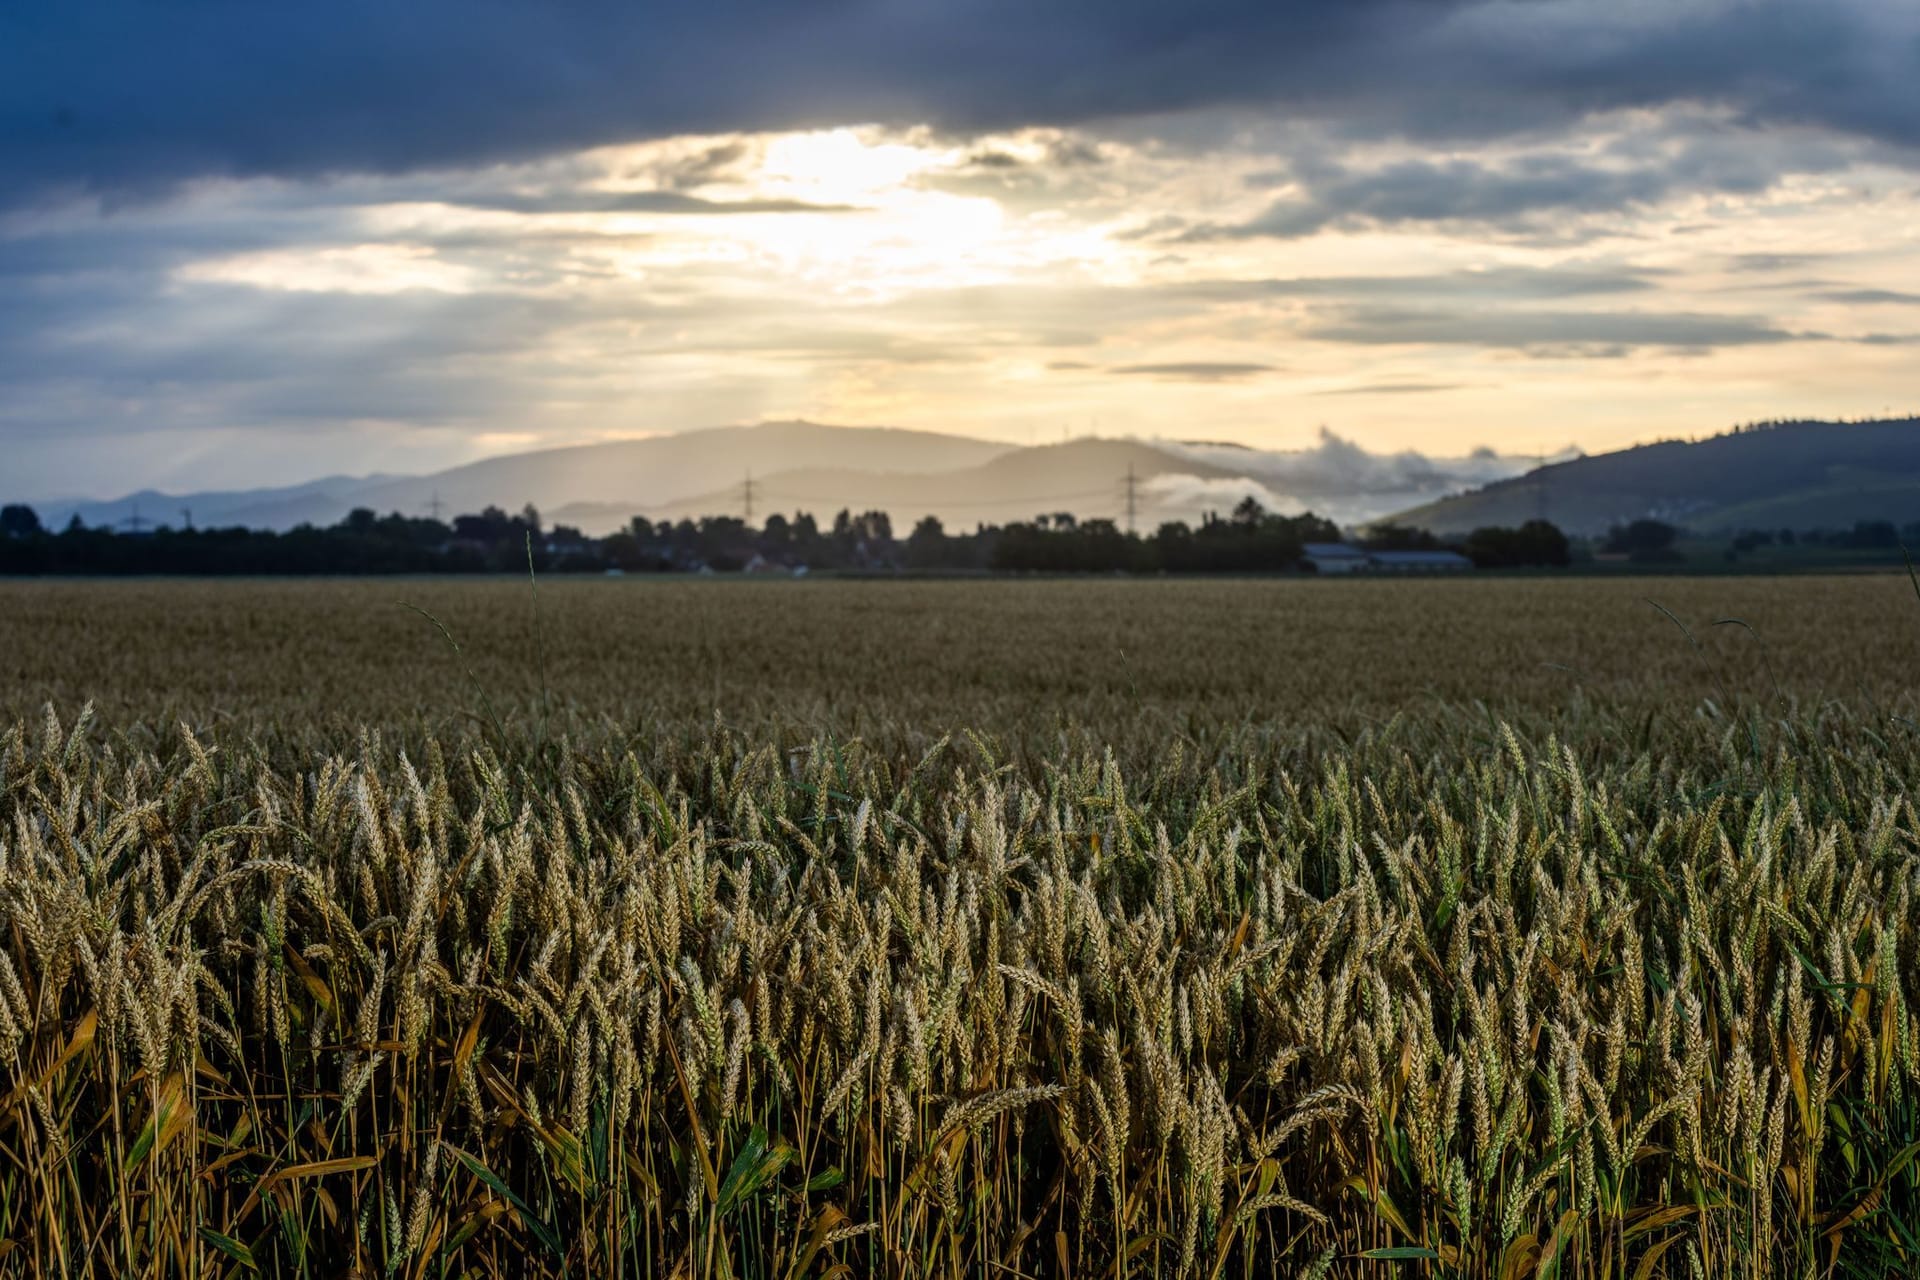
x: 1438, y: 559
x: 1334, y: 551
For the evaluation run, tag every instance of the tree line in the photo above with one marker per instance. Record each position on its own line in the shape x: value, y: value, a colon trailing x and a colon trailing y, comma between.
x: 1249, y: 539
x: 1649, y: 541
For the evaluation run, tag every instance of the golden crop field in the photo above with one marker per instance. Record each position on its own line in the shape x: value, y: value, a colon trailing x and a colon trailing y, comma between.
x: 1499, y: 928
x: 908, y: 661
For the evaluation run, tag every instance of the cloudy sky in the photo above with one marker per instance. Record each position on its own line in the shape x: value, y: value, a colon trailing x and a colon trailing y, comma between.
x: 245, y: 244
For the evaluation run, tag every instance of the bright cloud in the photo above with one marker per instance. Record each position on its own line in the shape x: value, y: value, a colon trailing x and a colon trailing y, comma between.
x: 364, y: 268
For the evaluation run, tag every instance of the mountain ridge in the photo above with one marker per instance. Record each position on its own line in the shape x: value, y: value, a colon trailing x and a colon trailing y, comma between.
x: 1802, y: 473
x: 805, y: 465
x: 1087, y: 477
x: 637, y: 473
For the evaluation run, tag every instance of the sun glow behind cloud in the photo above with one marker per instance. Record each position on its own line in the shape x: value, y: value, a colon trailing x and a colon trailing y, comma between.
x: 870, y: 224
x: 844, y: 165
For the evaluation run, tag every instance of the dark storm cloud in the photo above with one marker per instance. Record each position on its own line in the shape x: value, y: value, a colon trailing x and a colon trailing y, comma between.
x: 1774, y: 263
x: 1394, y: 389
x: 1453, y: 191
x: 1031, y: 309
x: 132, y: 93
x: 121, y: 96
x: 1504, y: 283
x: 1197, y: 370
x: 636, y: 202
x: 1871, y: 297
x: 714, y: 164
x: 1577, y: 333
x: 1539, y: 190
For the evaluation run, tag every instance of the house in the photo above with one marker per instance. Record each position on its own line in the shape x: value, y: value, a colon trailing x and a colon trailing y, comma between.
x: 1334, y: 557
x: 1419, y: 561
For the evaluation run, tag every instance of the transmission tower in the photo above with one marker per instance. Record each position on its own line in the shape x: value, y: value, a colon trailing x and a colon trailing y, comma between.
x: 746, y: 495
x: 433, y: 507
x: 1133, y: 496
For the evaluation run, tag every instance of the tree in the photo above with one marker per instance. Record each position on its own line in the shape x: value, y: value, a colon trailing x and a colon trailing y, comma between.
x: 725, y: 542
x: 1875, y: 535
x: 489, y: 527
x: 1542, y: 542
x: 1388, y: 536
x: 1535, y: 544
x: 927, y: 544
x: 877, y: 526
x: 1643, y: 540
x: 17, y: 520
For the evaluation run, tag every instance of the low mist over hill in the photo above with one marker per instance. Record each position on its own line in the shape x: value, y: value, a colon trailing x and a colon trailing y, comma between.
x: 1085, y: 477
x: 808, y: 466
x: 1798, y: 475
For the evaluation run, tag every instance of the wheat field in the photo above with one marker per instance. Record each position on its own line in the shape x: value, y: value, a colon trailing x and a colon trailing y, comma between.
x: 1469, y: 929
x: 903, y: 663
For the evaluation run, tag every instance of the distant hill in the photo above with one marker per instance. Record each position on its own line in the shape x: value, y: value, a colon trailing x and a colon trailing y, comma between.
x: 1086, y: 477
x: 281, y: 507
x: 658, y: 471
x: 1798, y: 475
x: 631, y: 475
x: 812, y: 467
